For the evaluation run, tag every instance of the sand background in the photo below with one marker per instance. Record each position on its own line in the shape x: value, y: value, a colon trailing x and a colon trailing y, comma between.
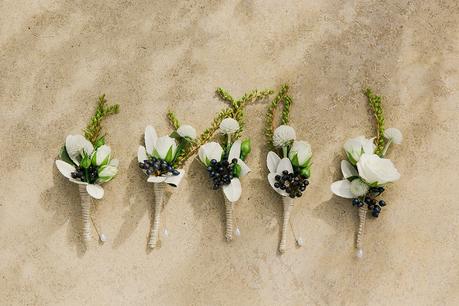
x: 56, y: 57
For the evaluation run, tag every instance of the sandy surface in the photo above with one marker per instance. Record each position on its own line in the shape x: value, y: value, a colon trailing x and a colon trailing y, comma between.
x: 56, y: 57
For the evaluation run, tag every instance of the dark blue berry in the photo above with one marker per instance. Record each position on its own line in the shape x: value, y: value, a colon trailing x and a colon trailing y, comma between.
x: 355, y: 201
x: 234, y: 160
x: 213, y: 161
x: 175, y: 172
x: 382, y: 203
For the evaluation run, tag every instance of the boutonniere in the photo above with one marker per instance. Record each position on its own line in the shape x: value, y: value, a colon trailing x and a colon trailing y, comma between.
x: 366, y: 172
x: 161, y: 159
x: 289, y: 161
x: 87, y: 161
x: 225, y: 160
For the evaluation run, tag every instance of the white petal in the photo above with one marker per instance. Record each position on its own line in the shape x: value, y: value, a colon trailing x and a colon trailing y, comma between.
x: 156, y: 179
x: 78, y: 182
x: 114, y: 163
x: 348, y: 170
x: 102, y: 153
x: 163, y: 144
x: 216, y: 152
x: 272, y: 180
x: 150, y: 139
x: 65, y: 168
x: 174, y: 180
x: 202, y: 154
x: 233, y: 190
x: 244, y: 168
x: 73, y: 145
x: 235, y: 151
x: 95, y: 191
x: 272, y: 160
x: 284, y: 164
x: 342, y: 189
x: 141, y: 154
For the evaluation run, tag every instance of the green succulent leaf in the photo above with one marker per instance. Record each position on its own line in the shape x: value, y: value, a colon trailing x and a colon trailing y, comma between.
x: 64, y: 156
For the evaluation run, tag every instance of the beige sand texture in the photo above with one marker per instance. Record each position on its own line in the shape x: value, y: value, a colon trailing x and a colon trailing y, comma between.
x: 56, y: 57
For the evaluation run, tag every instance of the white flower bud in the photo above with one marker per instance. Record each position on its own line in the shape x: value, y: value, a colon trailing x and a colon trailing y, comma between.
x: 394, y: 135
x: 229, y: 126
x: 186, y: 131
x: 283, y: 135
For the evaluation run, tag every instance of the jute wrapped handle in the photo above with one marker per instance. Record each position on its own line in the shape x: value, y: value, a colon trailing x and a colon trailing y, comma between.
x: 362, y: 218
x: 288, y: 205
x: 159, y: 189
x: 85, y: 213
x: 229, y: 219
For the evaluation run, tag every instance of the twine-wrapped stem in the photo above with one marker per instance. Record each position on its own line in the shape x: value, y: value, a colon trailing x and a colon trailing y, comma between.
x: 362, y: 218
x: 159, y: 189
x: 229, y: 219
x: 85, y: 213
x: 288, y: 205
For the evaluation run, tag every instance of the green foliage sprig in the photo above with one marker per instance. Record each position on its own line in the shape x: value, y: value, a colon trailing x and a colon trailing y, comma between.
x: 375, y: 103
x: 235, y: 111
x: 94, y: 127
x: 173, y: 120
x: 286, y: 100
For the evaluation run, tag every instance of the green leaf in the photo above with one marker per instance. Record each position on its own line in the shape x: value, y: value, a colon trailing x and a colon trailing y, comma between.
x: 169, y: 156
x: 64, y: 156
x: 94, y: 159
x: 99, y: 142
x: 86, y: 161
x: 236, y: 170
x: 306, y: 172
x: 295, y: 161
x: 351, y: 159
x: 175, y: 135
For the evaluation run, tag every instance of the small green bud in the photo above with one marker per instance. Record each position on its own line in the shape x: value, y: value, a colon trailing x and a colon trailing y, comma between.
x: 85, y: 162
x: 236, y: 170
x: 306, y: 172
x: 245, y: 147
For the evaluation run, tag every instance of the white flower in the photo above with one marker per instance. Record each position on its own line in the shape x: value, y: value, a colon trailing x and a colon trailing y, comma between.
x: 376, y: 170
x: 300, y: 153
x: 235, y: 153
x: 209, y: 151
x: 106, y: 173
x: 355, y: 147
x: 283, y: 135
x: 187, y: 131
x: 94, y: 190
x: 103, y: 155
x: 394, y: 135
x: 343, y: 188
x: 76, y: 145
x: 359, y: 188
x: 275, y: 166
x: 164, y: 148
x: 229, y: 126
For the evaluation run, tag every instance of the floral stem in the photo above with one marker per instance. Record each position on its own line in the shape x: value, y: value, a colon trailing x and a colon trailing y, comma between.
x: 386, y: 147
x: 159, y: 189
x: 285, y: 151
x: 229, y: 219
x: 288, y: 204
x: 85, y: 212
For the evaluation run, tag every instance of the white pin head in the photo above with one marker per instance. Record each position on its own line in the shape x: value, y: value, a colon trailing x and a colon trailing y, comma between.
x: 359, y: 253
x: 103, y: 237
x: 237, y: 232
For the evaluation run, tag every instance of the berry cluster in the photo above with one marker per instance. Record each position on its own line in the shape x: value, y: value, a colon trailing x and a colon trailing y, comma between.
x: 221, y: 172
x: 373, y: 205
x: 293, y: 183
x: 157, y: 167
x: 79, y: 174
